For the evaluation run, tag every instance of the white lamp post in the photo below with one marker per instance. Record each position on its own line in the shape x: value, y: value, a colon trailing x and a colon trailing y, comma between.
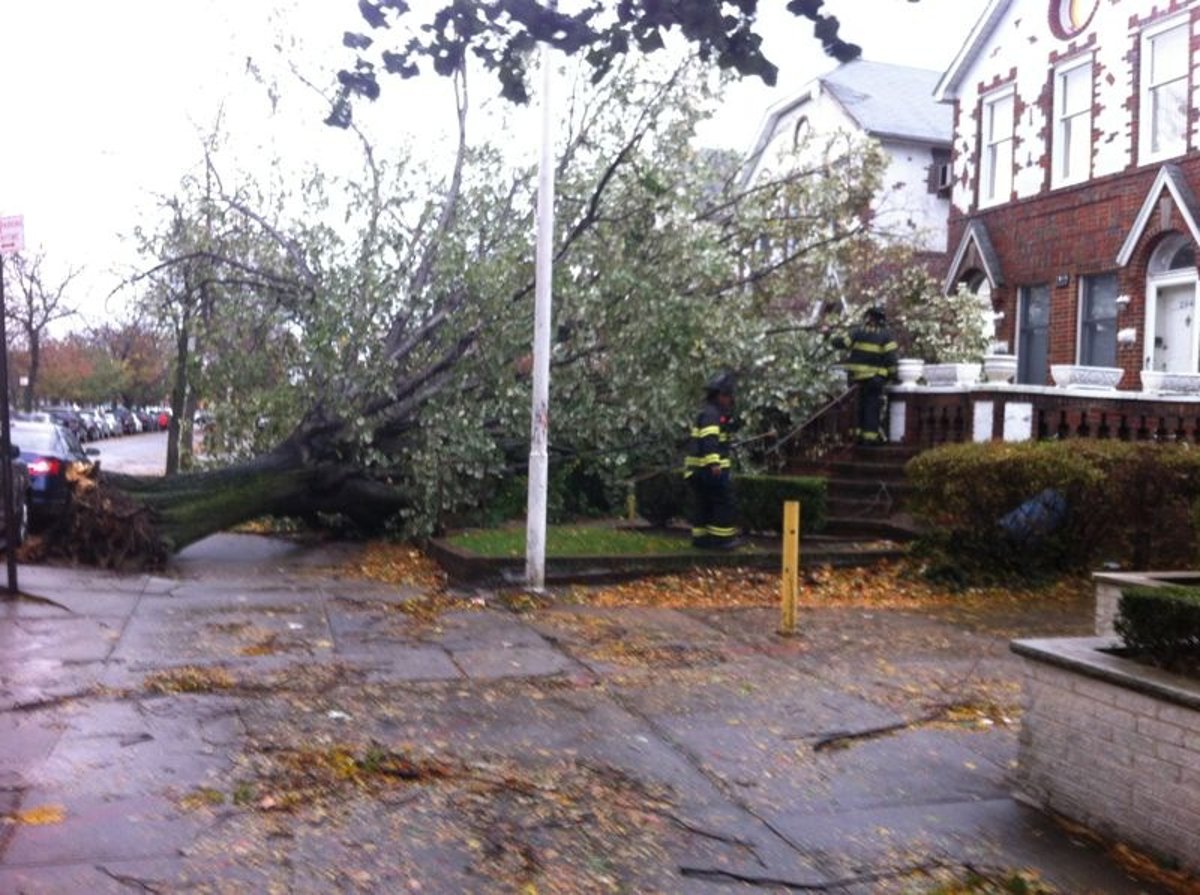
x: 535, y: 515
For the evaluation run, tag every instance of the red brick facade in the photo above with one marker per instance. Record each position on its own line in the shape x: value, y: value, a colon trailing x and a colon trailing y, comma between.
x: 1063, y: 234
x: 1077, y: 231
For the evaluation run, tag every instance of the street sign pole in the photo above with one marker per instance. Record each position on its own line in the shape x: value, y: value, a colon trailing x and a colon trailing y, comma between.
x: 6, y: 482
x: 12, y: 241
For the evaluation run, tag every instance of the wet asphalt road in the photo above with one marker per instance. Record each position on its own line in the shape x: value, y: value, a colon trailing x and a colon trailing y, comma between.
x: 144, y: 454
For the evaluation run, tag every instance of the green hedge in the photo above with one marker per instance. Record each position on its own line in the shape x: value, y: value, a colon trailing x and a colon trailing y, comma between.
x: 661, y: 497
x: 667, y: 495
x: 761, y: 499
x: 1161, y: 625
x: 1131, y: 503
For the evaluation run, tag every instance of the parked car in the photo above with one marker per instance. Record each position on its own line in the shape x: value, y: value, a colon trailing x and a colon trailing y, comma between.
x: 93, y: 428
x: 130, y: 425
x: 20, y: 479
x: 69, y: 418
x: 111, y: 422
x: 33, y: 416
x: 48, y: 451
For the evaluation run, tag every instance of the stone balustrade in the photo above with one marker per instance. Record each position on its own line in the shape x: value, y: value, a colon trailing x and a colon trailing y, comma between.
x: 928, y: 416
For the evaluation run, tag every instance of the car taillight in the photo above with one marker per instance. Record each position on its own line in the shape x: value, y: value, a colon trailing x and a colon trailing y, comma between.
x: 44, y: 466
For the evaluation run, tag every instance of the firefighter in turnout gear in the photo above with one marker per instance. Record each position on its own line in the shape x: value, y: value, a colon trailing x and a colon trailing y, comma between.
x: 870, y: 364
x: 707, y: 468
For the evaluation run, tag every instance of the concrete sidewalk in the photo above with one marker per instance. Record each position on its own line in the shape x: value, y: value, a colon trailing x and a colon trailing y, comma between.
x: 252, y: 723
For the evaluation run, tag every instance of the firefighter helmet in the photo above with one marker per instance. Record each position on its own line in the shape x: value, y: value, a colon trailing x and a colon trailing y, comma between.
x: 876, y: 313
x: 720, y: 384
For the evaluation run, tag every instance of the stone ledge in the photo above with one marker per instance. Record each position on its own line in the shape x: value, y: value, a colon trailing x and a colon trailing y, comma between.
x: 1109, y: 585
x: 1089, y: 656
x: 468, y: 568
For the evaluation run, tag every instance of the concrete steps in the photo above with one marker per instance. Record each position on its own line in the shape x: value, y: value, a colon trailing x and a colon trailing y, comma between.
x: 866, y: 492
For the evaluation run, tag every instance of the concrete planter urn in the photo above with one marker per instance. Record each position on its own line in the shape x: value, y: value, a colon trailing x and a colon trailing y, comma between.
x: 999, y: 367
x: 909, y: 371
x: 1161, y: 382
x: 1079, y: 376
x: 1112, y: 744
x: 951, y: 374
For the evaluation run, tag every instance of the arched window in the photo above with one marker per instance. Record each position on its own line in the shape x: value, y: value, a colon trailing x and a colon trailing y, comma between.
x: 800, y: 132
x: 1175, y: 253
x: 1069, y: 17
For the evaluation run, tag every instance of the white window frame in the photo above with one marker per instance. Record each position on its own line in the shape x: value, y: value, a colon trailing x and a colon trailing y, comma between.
x: 1084, y: 281
x: 1146, y: 151
x: 1071, y: 125
x: 988, y: 141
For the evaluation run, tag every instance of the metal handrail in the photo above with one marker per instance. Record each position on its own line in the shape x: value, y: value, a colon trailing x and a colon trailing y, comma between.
x: 804, y: 431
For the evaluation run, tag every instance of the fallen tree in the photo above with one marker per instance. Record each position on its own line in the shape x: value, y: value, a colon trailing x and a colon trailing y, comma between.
x: 382, y: 376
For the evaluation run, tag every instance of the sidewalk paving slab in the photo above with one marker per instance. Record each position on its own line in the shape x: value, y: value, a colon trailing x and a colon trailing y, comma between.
x: 693, y: 729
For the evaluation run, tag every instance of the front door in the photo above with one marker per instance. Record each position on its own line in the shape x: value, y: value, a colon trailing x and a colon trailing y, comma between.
x: 1174, y: 312
x: 1033, y: 335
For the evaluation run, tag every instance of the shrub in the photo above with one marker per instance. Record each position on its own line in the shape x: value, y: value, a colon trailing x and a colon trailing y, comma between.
x: 1130, y: 502
x: 761, y: 499
x: 666, y: 495
x: 662, y: 496
x: 1161, y: 625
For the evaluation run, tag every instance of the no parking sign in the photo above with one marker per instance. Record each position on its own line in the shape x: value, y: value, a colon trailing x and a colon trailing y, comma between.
x: 12, y: 234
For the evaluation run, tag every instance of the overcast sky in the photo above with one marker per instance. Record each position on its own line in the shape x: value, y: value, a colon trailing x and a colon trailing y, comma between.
x: 105, y: 101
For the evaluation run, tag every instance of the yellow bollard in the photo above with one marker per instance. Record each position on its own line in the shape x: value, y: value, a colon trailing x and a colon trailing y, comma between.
x: 790, y: 588
x: 631, y: 506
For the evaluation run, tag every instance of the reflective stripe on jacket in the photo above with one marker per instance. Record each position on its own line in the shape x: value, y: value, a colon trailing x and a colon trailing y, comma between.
x: 872, y: 352
x: 710, y: 440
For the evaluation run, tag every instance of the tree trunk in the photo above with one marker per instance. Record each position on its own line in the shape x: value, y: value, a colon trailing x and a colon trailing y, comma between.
x: 187, y: 432
x: 187, y: 507
x: 178, y: 396
x: 35, y: 360
x: 130, y: 521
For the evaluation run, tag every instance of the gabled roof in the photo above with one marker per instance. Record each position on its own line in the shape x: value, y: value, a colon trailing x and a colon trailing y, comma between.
x: 976, y: 237
x: 1170, y: 178
x: 884, y: 100
x: 891, y: 100
x: 947, y: 88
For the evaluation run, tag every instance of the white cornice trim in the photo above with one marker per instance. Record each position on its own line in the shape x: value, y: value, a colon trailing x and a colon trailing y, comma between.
x: 766, y: 131
x: 975, y: 233
x: 947, y: 88
x: 1171, y: 178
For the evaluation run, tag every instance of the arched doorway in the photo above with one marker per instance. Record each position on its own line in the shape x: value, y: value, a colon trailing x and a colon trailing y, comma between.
x: 1172, y: 335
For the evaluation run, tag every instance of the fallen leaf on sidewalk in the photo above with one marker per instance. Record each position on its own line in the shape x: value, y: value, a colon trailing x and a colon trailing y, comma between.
x: 397, y: 563
x: 189, y: 679
x: 41, y: 816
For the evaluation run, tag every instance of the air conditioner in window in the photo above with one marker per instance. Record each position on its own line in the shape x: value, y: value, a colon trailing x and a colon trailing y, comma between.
x: 945, y: 177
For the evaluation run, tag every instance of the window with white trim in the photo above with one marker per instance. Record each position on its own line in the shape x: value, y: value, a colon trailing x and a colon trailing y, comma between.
x: 1072, y: 147
x: 996, y: 163
x: 1164, y: 96
x: 1098, y: 321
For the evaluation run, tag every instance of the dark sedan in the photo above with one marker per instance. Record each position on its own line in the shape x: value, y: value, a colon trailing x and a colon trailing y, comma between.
x: 49, y: 450
x: 20, y: 474
x: 65, y: 416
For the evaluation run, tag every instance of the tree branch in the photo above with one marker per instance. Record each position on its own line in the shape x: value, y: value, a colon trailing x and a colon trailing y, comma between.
x: 420, y: 278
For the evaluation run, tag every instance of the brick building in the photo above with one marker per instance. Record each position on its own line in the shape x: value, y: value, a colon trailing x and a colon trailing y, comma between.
x: 1076, y: 163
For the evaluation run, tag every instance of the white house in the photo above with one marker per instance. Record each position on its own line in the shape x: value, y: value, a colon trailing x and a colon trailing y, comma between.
x: 893, y: 105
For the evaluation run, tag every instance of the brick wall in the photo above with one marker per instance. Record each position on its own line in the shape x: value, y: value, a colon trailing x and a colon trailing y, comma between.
x: 1043, y: 233
x: 1123, y: 763
x: 1077, y: 231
